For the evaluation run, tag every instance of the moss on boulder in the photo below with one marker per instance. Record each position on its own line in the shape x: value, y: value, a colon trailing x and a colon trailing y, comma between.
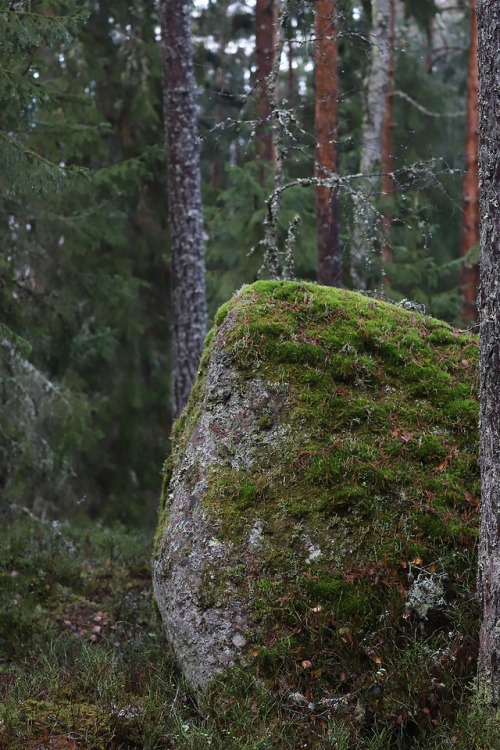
x: 324, y: 476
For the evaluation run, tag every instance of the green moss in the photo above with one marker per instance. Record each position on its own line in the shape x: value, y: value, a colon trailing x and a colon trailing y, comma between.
x: 375, y: 469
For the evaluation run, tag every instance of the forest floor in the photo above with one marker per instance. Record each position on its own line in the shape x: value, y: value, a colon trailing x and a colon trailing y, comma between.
x: 84, y: 664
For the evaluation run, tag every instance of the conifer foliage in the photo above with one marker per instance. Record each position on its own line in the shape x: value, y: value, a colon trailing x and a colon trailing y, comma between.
x: 83, y: 252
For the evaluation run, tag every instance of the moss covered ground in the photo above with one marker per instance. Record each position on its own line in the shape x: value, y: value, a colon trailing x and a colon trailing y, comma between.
x: 84, y: 666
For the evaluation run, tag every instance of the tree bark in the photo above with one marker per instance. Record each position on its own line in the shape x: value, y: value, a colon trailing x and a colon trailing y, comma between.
x: 326, y: 118
x: 469, y: 275
x: 265, y: 45
x: 388, y: 136
x: 184, y: 198
x: 365, y: 229
x: 488, y: 18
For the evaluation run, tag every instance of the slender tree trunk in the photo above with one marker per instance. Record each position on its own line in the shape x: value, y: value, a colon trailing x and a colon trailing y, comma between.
x: 265, y: 46
x: 365, y: 229
x: 488, y: 18
x: 184, y: 198
x: 469, y: 275
x: 429, y: 49
x: 327, y: 115
x: 388, y: 136
x: 292, y: 83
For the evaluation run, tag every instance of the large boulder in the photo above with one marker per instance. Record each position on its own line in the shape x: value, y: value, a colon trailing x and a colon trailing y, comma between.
x: 322, y: 489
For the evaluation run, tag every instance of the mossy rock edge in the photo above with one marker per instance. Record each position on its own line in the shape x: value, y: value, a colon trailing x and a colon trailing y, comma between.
x: 325, y: 464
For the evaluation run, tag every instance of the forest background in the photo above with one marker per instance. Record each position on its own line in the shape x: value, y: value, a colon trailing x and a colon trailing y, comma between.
x: 84, y: 252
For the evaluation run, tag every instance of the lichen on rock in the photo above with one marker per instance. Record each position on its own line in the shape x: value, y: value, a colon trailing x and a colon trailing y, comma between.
x: 330, y: 439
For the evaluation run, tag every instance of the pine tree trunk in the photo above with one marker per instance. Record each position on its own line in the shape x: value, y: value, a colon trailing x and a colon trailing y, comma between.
x: 470, y: 193
x: 365, y: 229
x: 388, y: 136
x: 265, y: 44
x: 488, y: 19
x: 327, y: 115
x: 184, y: 198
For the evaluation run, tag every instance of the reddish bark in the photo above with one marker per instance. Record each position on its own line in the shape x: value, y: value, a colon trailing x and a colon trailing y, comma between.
x: 469, y: 275
x: 326, y: 115
x: 387, y: 185
x: 265, y: 45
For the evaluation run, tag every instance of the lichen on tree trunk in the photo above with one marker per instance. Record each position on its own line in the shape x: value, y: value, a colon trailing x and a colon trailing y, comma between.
x: 371, y: 143
x: 184, y: 198
x: 387, y: 184
x: 488, y: 18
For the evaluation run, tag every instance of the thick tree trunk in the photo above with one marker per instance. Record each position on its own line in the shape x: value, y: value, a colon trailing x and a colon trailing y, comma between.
x: 365, y: 230
x: 184, y: 198
x: 470, y: 193
x: 327, y: 115
x: 265, y: 46
x: 388, y: 137
x: 488, y: 18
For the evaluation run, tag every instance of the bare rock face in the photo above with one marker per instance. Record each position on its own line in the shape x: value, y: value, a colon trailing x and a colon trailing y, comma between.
x: 329, y: 440
x: 207, y: 636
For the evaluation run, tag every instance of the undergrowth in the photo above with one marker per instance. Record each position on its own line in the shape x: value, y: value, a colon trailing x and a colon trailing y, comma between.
x: 84, y: 664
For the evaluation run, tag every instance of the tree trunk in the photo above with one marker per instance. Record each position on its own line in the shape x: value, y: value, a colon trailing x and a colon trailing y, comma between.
x: 292, y: 83
x: 388, y: 136
x: 265, y: 45
x: 470, y: 193
x: 184, y: 198
x: 365, y: 229
x: 327, y: 115
x: 488, y: 19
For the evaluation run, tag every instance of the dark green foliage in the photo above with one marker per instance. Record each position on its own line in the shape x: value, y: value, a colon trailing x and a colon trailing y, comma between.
x: 83, y: 266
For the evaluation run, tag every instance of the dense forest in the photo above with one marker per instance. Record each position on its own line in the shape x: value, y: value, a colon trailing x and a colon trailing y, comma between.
x: 85, y: 264
x: 192, y: 192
